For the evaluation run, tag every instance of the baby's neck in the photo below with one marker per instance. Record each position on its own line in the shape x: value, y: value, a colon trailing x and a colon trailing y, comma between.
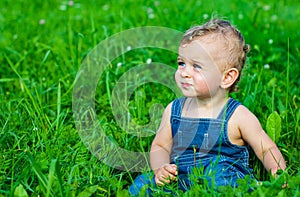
x: 203, y: 108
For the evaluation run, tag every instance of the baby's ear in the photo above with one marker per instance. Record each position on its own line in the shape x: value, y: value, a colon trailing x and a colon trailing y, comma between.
x: 229, y: 77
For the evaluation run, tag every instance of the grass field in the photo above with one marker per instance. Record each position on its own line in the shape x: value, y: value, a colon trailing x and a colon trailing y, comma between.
x: 42, y: 47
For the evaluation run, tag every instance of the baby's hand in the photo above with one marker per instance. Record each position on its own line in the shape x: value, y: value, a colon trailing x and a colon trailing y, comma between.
x: 165, y: 174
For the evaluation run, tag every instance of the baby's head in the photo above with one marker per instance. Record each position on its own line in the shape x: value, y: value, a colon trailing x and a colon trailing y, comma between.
x: 230, y: 44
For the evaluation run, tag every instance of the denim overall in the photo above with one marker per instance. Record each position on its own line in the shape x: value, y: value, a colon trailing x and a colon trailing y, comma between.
x: 201, y: 148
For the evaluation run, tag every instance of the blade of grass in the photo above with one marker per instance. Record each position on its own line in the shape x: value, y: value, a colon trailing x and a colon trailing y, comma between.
x: 59, y: 177
x: 36, y: 107
x: 54, y: 170
x: 51, y: 177
x: 108, y: 88
x: 41, y: 177
x: 58, y: 105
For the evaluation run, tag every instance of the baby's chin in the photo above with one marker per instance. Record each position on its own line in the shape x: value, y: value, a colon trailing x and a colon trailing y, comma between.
x: 190, y: 95
x: 188, y: 92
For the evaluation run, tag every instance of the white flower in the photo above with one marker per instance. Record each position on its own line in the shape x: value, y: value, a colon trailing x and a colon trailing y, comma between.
x: 149, y: 10
x: 267, y: 7
x: 270, y: 41
x: 205, y: 16
x: 63, y: 7
x: 119, y: 64
x: 105, y: 7
x: 151, y: 16
x: 128, y: 48
x: 266, y: 66
x: 150, y: 13
x: 149, y: 60
x: 42, y: 21
x: 35, y: 129
x: 71, y: 3
x: 274, y: 17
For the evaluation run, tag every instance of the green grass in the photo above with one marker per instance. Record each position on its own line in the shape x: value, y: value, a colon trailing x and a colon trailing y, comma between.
x: 42, y: 45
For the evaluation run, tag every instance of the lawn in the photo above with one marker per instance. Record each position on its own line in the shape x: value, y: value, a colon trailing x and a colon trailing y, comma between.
x: 71, y: 126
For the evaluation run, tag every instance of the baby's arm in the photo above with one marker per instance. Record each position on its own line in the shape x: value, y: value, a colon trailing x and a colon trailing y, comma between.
x: 161, y: 150
x: 264, y: 148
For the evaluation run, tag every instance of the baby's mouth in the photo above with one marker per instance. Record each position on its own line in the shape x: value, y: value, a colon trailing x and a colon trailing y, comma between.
x: 185, y: 84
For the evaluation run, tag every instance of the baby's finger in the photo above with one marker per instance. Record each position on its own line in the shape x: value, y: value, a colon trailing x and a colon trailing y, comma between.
x: 168, y: 177
x: 174, y: 166
x: 161, y: 180
x: 171, y: 169
x: 172, y: 177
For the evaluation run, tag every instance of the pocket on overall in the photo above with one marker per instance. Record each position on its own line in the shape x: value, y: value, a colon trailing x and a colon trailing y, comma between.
x: 186, y: 136
x: 211, y: 135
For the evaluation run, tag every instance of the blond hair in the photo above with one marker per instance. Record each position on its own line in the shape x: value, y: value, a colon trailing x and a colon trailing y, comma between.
x: 235, y: 47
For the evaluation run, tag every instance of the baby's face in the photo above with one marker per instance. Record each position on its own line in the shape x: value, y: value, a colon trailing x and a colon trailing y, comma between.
x: 200, y: 69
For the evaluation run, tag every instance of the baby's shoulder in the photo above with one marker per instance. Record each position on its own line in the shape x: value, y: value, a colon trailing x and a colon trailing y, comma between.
x: 242, y: 110
x: 243, y: 117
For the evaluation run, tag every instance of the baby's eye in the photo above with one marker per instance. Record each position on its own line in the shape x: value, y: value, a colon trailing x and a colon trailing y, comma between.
x: 181, y: 64
x: 196, y: 66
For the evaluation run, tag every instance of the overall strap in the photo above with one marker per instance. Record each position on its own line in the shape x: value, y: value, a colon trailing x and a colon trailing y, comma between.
x: 177, y: 106
x: 228, y: 109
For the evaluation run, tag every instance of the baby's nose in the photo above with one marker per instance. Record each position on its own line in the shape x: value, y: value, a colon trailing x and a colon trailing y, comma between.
x: 186, y: 72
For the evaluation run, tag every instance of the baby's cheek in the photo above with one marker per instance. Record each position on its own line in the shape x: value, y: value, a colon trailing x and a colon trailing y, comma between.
x: 177, y: 73
x: 177, y: 77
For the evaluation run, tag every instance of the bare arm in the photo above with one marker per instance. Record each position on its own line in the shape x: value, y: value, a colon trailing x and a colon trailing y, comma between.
x: 161, y: 150
x: 264, y: 148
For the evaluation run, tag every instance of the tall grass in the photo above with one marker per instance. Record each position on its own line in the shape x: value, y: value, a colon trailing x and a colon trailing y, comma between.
x: 42, y: 45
